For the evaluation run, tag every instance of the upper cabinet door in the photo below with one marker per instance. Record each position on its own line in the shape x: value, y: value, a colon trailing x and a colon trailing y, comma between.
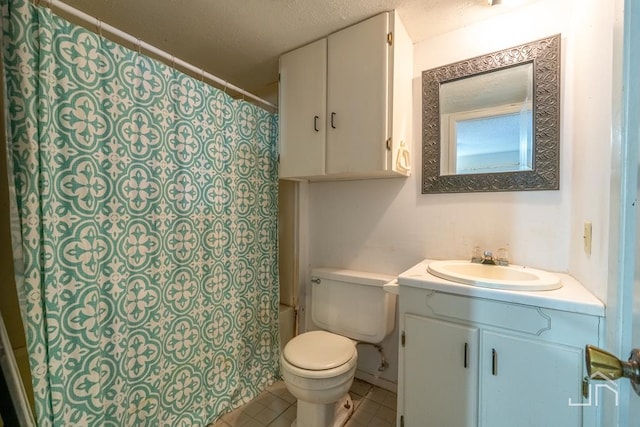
x: 302, y: 107
x: 358, y: 97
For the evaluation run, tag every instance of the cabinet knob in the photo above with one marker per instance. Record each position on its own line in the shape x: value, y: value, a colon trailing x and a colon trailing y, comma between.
x: 602, y: 365
x: 333, y: 116
x: 315, y: 123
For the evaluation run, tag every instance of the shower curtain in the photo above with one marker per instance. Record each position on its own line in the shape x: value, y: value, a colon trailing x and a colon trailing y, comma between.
x: 147, y: 205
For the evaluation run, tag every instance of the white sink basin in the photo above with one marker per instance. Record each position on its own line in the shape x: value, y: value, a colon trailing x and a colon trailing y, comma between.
x: 511, y: 277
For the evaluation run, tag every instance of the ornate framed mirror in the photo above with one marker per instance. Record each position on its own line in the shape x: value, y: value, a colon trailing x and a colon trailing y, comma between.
x: 492, y: 123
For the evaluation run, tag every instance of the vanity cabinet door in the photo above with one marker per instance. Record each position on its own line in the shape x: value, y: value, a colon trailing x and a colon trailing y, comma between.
x: 302, y: 108
x: 440, y: 373
x: 527, y: 382
x: 358, y: 97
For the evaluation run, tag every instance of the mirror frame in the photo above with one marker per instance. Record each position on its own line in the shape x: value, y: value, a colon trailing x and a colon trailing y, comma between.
x: 545, y: 56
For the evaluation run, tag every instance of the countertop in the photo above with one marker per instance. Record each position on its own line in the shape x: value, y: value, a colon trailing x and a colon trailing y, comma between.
x: 572, y: 296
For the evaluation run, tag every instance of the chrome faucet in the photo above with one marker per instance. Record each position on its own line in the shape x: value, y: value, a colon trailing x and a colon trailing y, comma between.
x: 487, y: 257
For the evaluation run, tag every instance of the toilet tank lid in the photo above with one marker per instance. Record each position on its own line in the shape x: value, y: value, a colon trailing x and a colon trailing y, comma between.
x: 352, y: 276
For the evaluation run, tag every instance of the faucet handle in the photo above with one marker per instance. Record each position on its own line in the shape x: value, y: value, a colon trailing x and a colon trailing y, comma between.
x: 503, y: 257
x: 476, y: 255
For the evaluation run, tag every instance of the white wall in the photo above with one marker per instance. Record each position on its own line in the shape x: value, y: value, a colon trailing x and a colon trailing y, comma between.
x: 591, y: 122
x: 387, y: 225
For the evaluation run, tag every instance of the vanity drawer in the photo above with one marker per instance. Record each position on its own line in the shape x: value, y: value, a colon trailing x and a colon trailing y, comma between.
x: 552, y: 325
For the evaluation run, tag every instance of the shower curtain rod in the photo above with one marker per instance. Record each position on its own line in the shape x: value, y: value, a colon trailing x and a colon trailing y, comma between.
x: 103, y: 26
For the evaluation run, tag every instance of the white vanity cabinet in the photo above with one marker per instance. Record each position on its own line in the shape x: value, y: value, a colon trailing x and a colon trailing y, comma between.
x: 486, y: 358
x: 345, y: 103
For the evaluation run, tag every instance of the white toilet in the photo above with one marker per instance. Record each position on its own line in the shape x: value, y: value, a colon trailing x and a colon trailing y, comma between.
x: 318, y: 367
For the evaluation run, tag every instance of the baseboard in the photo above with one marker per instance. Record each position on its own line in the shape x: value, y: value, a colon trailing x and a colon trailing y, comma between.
x: 377, y: 381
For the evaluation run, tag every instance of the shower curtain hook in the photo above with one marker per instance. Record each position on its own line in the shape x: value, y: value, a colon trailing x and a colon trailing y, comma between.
x: 173, y: 62
x: 202, y: 75
x: 139, y: 46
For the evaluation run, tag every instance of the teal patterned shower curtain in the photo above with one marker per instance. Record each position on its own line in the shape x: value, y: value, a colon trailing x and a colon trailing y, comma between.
x: 147, y: 206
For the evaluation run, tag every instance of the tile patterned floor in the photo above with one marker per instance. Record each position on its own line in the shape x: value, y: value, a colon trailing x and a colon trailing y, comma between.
x: 276, y: 407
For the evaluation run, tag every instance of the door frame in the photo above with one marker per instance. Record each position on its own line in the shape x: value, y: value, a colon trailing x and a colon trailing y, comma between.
x: 624, y: 191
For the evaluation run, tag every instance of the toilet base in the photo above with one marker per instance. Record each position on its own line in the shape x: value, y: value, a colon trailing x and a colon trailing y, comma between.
x: 331, y: 415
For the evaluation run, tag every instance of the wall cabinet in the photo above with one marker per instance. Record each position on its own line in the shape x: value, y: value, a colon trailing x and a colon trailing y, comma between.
x: 476, y: 362
x: 345, y: 103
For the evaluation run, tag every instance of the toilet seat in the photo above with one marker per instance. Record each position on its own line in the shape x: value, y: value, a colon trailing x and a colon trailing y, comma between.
x: 319, y: 351
x: 289, y: 370
x: 319, y: 354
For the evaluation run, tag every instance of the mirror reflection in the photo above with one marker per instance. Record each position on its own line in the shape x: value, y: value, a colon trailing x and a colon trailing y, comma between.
x: 486, y: 122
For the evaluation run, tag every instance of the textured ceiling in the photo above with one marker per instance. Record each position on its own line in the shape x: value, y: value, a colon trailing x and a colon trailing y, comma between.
x: 240, y: 40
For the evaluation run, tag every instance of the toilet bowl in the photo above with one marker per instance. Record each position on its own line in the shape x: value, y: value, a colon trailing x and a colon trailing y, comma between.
x: 318, y: 367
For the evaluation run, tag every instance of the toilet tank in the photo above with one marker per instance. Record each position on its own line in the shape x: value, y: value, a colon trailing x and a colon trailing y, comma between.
x: 352, y: 303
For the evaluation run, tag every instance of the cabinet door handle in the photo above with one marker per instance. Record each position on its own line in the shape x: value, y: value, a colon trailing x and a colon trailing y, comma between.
x: 466, y: 355
x: 315, y: 123
x: 494, y: 361
x: 333, y: 116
